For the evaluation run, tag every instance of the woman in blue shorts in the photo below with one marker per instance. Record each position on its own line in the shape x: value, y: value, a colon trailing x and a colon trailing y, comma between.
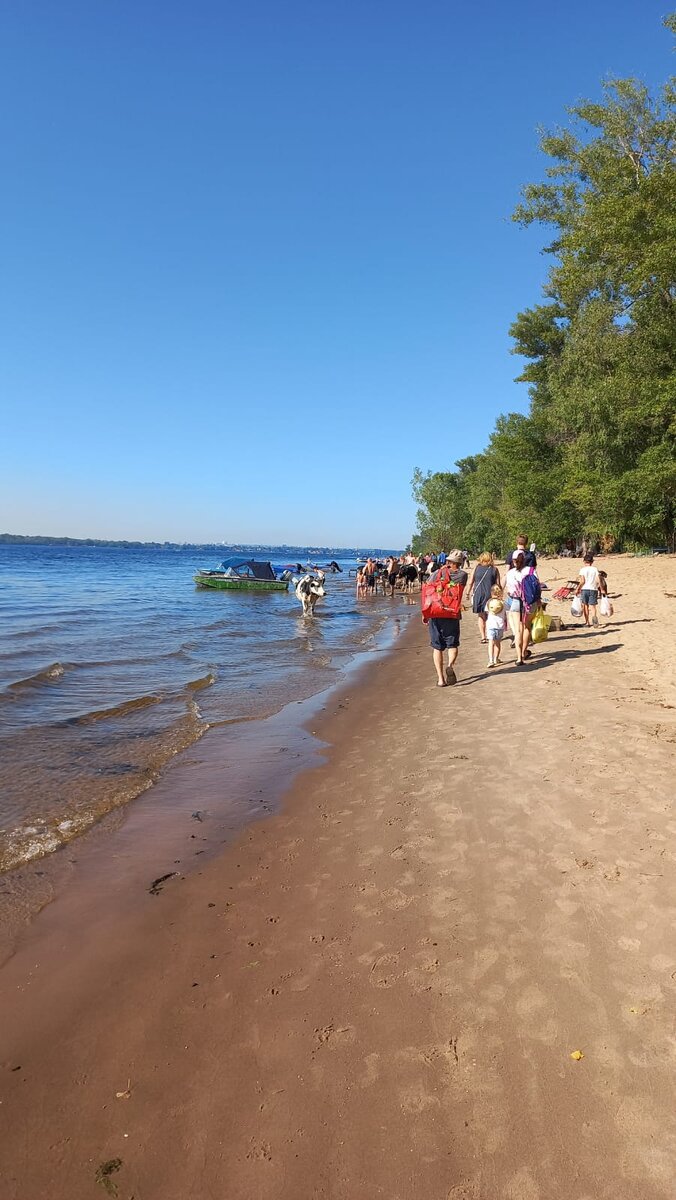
x: 514, y: 605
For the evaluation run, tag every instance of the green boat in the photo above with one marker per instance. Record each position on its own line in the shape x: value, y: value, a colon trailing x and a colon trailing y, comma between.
x: 242, y: 574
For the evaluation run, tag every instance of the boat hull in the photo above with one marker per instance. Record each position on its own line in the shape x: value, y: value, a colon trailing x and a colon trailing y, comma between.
x: 241, y: 585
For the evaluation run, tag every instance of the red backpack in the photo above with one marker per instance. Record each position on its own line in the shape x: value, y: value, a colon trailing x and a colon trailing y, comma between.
x: 441, y: 598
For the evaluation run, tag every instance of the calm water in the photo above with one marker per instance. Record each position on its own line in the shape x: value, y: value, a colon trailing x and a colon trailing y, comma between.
x: 111, y: 661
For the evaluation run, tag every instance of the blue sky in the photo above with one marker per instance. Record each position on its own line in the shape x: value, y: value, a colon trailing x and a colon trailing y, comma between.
x: 257, y: 260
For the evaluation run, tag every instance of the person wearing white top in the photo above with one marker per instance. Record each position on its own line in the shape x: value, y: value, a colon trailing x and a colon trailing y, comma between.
x: 514, y: 605
x: 495, y: 625
x: 588, y: 588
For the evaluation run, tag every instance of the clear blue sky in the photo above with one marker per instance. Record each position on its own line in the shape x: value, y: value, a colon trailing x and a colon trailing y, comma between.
x: 257, y: 262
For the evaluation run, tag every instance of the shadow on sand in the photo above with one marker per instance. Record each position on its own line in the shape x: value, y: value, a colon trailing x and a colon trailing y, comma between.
x: 540, y: 659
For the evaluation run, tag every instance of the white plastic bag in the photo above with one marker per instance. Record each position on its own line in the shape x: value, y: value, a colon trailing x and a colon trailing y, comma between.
x: 576, y: 607
x: 605, y: 607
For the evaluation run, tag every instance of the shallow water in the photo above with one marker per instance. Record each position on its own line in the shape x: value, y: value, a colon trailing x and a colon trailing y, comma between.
x: 111, y: 661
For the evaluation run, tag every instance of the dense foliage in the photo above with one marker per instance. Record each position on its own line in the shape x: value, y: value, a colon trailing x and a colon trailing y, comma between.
x: 595, y: 458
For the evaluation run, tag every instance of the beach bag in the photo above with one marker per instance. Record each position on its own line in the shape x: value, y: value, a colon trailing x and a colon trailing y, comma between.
x: 576, y: 607
x: 540, y: 626
x: 530, y: 586
x: 605, y: 607
x: 441, y: 598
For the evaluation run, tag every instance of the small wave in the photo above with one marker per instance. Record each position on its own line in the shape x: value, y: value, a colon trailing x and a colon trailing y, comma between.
x: 136, y: 660
x: 226, y: 624
x: 28, y: 842
x: 117, y: 710
x: 46, y: 675
x: 196, y: 685
x: 41, y: 837
x: 38, y: 632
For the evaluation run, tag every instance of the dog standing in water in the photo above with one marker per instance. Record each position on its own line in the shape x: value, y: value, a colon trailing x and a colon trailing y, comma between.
x: 309, y: 590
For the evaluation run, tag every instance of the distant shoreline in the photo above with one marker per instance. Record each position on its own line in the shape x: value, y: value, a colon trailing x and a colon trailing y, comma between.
x: 19, y: 539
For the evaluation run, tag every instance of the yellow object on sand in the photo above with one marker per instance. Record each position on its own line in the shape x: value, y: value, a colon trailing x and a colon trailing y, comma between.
x: 540, y: 626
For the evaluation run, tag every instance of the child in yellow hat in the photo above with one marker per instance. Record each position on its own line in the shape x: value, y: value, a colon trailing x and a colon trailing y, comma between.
x: 495, y: 625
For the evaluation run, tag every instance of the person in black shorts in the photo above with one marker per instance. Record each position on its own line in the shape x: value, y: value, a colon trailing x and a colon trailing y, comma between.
x: 392, y: 568
x: 445, y: 631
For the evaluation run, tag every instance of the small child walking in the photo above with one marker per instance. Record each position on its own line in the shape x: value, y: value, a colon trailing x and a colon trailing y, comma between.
x: 495, y: 625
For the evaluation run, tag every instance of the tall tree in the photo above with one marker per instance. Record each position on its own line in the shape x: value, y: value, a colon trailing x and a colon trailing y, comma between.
x: 596, y: 455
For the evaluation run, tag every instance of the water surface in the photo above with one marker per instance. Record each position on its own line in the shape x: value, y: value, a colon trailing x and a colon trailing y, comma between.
x: 112, y: 661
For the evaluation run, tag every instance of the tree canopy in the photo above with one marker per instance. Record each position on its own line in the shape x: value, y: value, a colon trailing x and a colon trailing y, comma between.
x: 595, y: 457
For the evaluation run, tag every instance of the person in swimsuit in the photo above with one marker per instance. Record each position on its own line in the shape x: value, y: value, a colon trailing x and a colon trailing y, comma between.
x: 370, y: 575
x: 392, y: 567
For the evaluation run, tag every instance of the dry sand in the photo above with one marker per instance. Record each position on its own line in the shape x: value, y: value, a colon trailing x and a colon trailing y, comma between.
x: 377, y: 992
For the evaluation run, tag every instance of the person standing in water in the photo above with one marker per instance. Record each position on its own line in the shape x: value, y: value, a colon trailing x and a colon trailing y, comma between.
x: 392, y: 568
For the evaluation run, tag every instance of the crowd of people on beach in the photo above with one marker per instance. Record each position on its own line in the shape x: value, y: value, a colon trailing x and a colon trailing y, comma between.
x: 511, y: 607
x: 508, y: 607
x: 404, y: 572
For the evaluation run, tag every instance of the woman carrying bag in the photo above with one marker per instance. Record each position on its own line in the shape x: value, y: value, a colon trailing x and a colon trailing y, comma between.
x: 514, y: 604
x: 441, y: 605
x: 484, y: 577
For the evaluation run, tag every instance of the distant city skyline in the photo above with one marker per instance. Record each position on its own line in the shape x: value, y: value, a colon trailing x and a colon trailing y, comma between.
x: 259, y: 263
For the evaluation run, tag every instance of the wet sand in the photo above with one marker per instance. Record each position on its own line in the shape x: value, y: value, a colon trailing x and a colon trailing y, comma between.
x: 377, y: 992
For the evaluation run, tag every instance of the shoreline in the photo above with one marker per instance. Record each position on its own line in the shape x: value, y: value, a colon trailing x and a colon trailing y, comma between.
x: 105, y: 681
x: 377, y: 989
x: 238, y: 761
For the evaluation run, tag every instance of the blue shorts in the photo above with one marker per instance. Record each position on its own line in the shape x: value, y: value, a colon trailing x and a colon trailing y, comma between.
x: 589, y: 596
x: 444, y: 632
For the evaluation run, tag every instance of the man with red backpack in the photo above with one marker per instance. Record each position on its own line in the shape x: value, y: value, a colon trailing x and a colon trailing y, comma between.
x: 441, y: 600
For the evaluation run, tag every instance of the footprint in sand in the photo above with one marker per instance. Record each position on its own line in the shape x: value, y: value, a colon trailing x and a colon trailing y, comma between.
x: 332, y: 1033
x: 468, y: 1189
x: 259, y: 1152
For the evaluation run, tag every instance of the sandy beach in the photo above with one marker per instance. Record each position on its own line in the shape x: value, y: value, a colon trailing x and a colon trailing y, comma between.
x: 382, y: 990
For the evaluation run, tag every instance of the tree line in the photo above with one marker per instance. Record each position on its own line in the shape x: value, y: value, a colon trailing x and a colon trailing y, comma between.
x: 594, y: 459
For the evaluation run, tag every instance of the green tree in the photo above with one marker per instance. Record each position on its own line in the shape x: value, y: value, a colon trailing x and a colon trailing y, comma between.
x: 442, y: 510
x: 596, y: 455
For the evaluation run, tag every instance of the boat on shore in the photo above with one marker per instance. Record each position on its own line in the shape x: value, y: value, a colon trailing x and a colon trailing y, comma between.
x: 242, y: 574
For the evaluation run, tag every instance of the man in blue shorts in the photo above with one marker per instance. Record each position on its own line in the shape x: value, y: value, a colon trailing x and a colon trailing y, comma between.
x: 445, y: 631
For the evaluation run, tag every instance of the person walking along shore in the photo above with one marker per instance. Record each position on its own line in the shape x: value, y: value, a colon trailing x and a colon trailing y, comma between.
x: 514, y: 604
x: 445, y: 631
x: 485, y: 577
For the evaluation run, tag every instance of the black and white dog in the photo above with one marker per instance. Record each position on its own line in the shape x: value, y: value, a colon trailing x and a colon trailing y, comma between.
x: 309, y: 590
